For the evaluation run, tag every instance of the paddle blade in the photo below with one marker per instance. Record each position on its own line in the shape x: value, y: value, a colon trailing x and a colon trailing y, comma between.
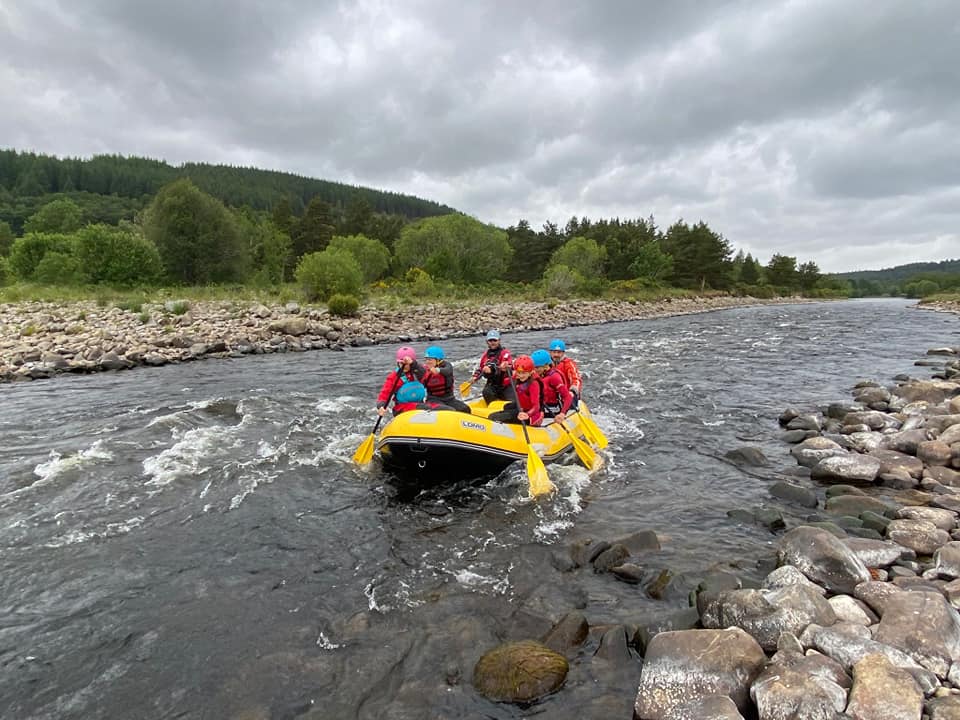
x: 537, y: 474
x: 586, y: 454
x: 596, y: 434
x: 465, y: 388
x: 364, y: 453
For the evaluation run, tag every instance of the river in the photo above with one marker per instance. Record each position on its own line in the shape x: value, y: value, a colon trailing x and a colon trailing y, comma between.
x: 192, y: 541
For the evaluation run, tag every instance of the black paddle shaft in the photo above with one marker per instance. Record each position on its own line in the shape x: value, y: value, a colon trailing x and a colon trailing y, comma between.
x: 523, y: 423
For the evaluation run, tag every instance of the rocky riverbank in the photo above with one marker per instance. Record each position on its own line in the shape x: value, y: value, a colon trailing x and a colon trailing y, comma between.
x: 41, y: 340
x: 854, y: 614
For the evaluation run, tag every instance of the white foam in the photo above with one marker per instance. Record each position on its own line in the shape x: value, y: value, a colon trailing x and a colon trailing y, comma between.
x: 58, y: 464
x: 185, y: 457
x: 324, y: 642
x: 114, y: 529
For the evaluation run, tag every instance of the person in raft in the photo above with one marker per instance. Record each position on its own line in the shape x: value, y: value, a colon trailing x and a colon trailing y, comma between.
x: 495, y: 367
x: 527, y: 407
x: 568, y: 369
x: 407, y: 370
x: 438, y: 379
x: 556, y: 398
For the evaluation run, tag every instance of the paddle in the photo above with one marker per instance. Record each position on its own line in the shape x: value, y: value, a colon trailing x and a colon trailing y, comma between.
x: 536, y: 472
x: 593, y: 433
x: 364, y: 453
x: 586, y: 454
x: 465, y: 388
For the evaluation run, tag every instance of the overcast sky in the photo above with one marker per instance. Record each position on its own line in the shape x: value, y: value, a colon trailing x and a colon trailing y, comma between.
x: 824, y: 129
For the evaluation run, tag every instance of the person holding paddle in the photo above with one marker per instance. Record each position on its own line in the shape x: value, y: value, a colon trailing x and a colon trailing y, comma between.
x: 495, y: 367
x: 438, y: 379
x: 527, y: 408
x: 407, y: 370
x: 557, y: 399
x: 567, y: 368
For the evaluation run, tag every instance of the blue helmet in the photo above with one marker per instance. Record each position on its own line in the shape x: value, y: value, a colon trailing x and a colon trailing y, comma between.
x: 411, y: 392
x: 558, y: 344
x: 435, y: 352
x: 540, y: 358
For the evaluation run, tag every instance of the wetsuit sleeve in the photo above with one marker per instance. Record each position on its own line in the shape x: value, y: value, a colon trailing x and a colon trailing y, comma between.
x: 573, y: 375
x: 566, y: 398
x: 536, y: 401
x: 447, y: 372
x: 387, y: 389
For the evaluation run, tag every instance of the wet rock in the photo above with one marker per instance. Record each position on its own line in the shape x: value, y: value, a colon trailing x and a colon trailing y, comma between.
x: 519, y: 672
x: 709, y: 707
x: 686, y: 665
x: 628, y: 573
x: 943, y: 519
x: 811, y: 451
x: 783, y: 693
x: 943, y: 475
x: 610, y: 558
x: 881, y: 690
x: 873, y: 419
x: 847, y: 468
x: 787, y: 575
x: 685, y: 619
x: 747, y: 456
x: 640, y: 542
x: 613, y: 646
x: 893, y: 461
x: 855, y: 505
x: 921, y: 536
x: 583, y: 552
x: 906, y: 441
x: 934, y: 452
x: 931, y: 391
x: 795, y: 436
x: 765, y: 614
x: 569, y: 633
x: 805, y: 422
x: 924, y: 626
x: 823, y: 558
x: 946, y: 560
x: 794, y: 494
x: 878, y: 553
x: 875, y: 521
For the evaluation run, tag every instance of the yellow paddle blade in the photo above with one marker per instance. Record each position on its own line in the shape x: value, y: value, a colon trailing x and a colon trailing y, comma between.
x: 596, y: 434
x: 465, y: 388
x: 586, y: 454
x: 537, y: 474
x: 364, y: 453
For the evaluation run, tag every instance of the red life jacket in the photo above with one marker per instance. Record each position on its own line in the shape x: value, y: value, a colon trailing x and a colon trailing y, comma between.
x: 529, y: 396
x: 556, y: 396
x: 438, y: 384
x: 571, y: 374
x: 495, y: 356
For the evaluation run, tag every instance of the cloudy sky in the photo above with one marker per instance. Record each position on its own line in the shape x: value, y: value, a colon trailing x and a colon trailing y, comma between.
x: 824, y: 129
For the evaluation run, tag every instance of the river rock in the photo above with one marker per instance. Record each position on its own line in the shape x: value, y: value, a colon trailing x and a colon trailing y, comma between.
x: 823, y: 558
x: 781, y: 692
x: 891, y: 460
x: 708, y: 707
x: 765, y: 614
x: 934, y: 452
x: 864, y: 441
x: 943, y: 519
x: 946, y: 560
x: 943, y: 475
x: 873, y: 419
x: 847, y: 468
x: 856, y: 504
x: 805, y: 497
x: 686, y: 665
x: 921, y: 536
x: 883, y: 691
x: 876, y: 595
x: 787, y: 575
x: 924, y: 626
x: 931, y: 391
x: 568, y: 633
x: 519, y: 672
x: 905, y: 441
x: 878, y: 553
x: 850, y: 610
x: 811, y: 451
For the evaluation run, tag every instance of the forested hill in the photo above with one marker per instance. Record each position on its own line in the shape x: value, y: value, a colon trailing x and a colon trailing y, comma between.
x: 114, y: 186
x: 903, y: 272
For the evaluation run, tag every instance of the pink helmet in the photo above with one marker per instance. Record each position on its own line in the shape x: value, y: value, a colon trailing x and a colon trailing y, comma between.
x: 406, y: 352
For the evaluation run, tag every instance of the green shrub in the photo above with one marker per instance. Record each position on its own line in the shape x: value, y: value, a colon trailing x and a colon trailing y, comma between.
x: 331, y: 272
x: 179, y: 307
x: 343, y: 305
x: 372, y: 255
x: 117, y: 256
x: 144, y: 318
x: 5, y: 274
x: 420, y: 282
x: 560, y: 281
x: 58, y: 268
x: 133, y: 306
x: 29, y: 250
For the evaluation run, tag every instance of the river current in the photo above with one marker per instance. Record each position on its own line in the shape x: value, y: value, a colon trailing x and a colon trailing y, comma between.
x: 193, y: 541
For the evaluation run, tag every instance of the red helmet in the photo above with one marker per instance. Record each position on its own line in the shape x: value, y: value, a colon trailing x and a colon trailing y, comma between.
x: 523, y: 363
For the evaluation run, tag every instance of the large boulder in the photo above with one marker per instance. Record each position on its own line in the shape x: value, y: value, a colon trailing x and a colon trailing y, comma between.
x: 921, y: 536
x: 893, y: 461
x: 519, y: 672
x: 847, y: 468
x: 783, y: 693
x: 881, y: 690
x: 685, y: 665
x: 924, y: 626
x: 823, y: 558
x: 931, y: 391
x: 813, y: 450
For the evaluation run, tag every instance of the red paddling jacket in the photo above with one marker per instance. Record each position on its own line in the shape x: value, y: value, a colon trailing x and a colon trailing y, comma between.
x: 529, y: 398
x: 394, y: 381
x: 556, y: 396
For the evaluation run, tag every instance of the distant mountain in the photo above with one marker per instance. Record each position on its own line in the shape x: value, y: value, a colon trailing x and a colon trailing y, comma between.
x: 28, y: 179
x: 903, y: 272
